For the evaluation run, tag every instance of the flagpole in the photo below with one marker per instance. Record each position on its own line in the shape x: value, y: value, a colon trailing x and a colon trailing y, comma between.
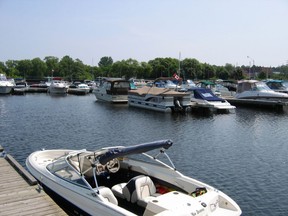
x: 179, y: 64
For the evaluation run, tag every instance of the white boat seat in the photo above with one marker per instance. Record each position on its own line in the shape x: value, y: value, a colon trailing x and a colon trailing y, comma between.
x: 118, y: 190
x: 140, y: 190
x: 107, y: 194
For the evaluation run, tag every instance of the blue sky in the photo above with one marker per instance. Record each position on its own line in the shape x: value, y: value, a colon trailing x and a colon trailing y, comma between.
x: 212, y: 31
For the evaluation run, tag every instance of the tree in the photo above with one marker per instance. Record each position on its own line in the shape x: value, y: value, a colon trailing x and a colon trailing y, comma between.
x: 25, y: 68
x: 52, y: 64
x: 192, y: 68
x: 38, y: 68
x: 105, y: 61
x: 12, y: 70
x: 65, y: 67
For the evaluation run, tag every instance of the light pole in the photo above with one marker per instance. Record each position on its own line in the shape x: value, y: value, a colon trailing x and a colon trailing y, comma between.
x: 250, y: 64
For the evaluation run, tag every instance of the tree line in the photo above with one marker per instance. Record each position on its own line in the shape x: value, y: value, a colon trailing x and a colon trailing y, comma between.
x: 189, y: 68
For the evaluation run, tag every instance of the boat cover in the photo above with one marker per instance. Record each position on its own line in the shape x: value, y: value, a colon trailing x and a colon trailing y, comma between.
x: 136, y: 149
x: 205, y: 94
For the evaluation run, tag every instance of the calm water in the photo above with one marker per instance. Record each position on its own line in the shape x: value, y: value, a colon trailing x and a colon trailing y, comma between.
x: 243, y: 154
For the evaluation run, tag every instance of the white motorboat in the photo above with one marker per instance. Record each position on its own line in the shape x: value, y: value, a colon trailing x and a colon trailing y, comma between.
x: 113, y: 90
x: 121, y: 181
x: 205, y: 98
x: 159, y: 99
x: 254, y: 89
x: 6, y: 86
x: 277, y: 85
x: 79, y: 89
x: 58, y: 87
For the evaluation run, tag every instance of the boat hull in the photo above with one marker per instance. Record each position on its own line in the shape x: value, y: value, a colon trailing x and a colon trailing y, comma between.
x: 6, y: 89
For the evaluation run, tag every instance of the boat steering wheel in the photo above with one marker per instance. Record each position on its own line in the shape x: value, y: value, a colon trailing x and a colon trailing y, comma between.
x: 113, y: 165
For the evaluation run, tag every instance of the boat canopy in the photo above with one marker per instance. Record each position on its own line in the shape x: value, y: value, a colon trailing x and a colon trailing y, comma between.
x: 205, y: 94
x: 136, y: 149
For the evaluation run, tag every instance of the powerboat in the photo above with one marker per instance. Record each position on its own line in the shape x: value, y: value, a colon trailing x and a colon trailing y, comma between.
x: 6, y: 85
x: 159, y: 99
x: 79, y: 88
x: 126, y: 180
x: 254, y: 89
x: 205, y: 98
x: 58, y: 87
x: 113, y: 90
x: 277, y: 85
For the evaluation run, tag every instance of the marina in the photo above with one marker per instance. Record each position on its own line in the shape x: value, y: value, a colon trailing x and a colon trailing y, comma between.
x: 243, y: 154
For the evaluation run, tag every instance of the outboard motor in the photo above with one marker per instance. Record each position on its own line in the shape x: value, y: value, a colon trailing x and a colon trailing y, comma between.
x: 177, y: 104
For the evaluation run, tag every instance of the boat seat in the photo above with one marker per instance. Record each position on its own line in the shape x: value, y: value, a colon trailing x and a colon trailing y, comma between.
x: 107, y: 194
x: 139, y: 189
x: 118, y: 190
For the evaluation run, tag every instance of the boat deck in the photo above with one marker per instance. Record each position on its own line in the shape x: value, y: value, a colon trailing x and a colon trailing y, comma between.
x: 271, y: 104
x: 18, y: 197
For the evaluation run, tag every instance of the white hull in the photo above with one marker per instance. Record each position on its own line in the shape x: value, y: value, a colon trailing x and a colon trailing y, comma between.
x: 5, y: 89
x: 158, y: 103
x: 213, y: 105
x: 57, y: 90
x: 110, y: 98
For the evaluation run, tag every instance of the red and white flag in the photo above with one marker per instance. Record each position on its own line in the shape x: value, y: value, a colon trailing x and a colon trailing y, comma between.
x: 176, y: 76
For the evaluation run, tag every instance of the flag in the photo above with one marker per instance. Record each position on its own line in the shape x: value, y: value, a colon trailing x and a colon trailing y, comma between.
x: 176, y: 76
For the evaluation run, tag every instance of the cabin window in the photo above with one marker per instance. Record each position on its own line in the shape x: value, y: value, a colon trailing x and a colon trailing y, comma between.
x: 121, y: 84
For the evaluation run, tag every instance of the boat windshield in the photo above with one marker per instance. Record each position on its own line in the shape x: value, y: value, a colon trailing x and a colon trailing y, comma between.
x: 61, y: 169
x: 121, y: 84
x: 260, y: 86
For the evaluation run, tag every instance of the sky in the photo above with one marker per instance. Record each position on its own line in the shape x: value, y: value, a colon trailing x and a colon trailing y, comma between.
x: 238, y: 32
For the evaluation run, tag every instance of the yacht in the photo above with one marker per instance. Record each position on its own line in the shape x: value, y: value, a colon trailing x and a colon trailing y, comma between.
x: 113, y: 90
x: 6, y: 85
x: 58, y: 87
x: 254, y: 89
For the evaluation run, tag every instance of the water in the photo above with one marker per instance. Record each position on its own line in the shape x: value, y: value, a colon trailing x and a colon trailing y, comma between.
x: 243, y: 154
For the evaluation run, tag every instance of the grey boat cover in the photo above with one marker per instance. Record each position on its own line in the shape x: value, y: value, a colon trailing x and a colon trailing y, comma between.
x: 136, y: 149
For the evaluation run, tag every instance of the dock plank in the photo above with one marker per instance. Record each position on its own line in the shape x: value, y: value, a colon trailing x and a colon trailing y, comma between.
x: 17, y: 197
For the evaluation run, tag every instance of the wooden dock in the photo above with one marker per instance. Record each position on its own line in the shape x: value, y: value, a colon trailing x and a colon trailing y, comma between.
x: 18, y: 197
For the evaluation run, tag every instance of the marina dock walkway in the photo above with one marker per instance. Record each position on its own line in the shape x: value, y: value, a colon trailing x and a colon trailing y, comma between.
x: 18, y: 197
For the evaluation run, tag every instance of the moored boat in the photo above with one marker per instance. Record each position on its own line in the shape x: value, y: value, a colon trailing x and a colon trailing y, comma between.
x: 78, y: 88
x: 254, y: 89
x: 113, y: 90
x: 6, y: 85
x: 131, y: 180
x: 205, y: 98
x: 159, y: 99
x: 58, y: 87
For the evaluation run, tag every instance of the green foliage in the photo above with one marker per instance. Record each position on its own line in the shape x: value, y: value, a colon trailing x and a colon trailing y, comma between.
x: 71, y: 69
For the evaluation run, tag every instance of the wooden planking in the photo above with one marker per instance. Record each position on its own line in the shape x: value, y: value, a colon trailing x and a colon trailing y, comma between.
x: 17, y: 197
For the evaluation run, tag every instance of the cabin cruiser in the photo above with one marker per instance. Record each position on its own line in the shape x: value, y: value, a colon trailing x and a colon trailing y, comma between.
x: 6, y: 85
x: 58, y: 87
x: 205, y: 98
x: 131, y: 180
x: 113, y: 90
x: 78, y: 88
x: 159, y: 99
x: 254, y: 89
x: 277, y: 85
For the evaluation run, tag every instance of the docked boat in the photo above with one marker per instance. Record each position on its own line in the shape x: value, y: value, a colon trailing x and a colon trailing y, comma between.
x: 277, y: 85
x: 159, y: 99
x: 79, y: 89
x: 6, y: 86
x: 58, y: 87
x: 131, y: 180
x: 205, y: 98
x: 254, y: 89
x: 20, y: 88
x: 113, y: 90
